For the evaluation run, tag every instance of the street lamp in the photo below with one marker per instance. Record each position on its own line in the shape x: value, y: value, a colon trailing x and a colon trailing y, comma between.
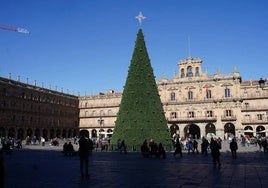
x: 262, y: 83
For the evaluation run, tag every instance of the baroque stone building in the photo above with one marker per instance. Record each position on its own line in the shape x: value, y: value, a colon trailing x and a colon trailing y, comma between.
x: 196, y: 104
x: 29, y: 110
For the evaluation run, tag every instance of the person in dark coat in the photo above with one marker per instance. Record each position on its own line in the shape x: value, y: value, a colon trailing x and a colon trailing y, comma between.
x: 215, y: 151
x: 233, y: 147
x: 85, y: 148
x: 204, y: 146
x: 178, y: 149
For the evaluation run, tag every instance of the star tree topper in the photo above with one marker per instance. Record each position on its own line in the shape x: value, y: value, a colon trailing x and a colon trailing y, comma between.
x: 140, y: 17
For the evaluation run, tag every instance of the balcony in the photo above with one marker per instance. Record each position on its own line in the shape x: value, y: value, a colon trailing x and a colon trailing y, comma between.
x: 192, y: 119
x: 255, y: 108
x: 255, y: 121
x: 97, y: 116
x: 228, y: 118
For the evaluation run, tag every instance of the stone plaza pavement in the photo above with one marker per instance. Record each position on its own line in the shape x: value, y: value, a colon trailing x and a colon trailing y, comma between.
x: 42, y: 167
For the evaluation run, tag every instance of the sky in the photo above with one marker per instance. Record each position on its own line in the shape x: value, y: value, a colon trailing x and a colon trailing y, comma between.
x: 85, y: 47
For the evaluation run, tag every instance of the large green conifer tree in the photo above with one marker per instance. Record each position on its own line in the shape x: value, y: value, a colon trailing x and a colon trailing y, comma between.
x: 141, y: 115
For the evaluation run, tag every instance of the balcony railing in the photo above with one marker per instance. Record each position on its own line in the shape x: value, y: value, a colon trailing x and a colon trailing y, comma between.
x: 255, y: 108
x: 97, y: 116
x: 192, y: 119
x: 246, y: 121
x: 228, y: 118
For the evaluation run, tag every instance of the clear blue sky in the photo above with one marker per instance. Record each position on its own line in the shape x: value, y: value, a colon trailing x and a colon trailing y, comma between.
x: 87, y: 45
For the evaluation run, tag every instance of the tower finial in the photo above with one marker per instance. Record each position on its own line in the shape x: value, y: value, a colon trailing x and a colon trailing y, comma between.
x: 140, y: 17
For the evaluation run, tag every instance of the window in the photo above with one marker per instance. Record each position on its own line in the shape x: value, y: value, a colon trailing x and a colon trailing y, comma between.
x: 228, y: 113
x: 208, y: 93
x: 173, y: 115
x: 247, y: 117
x: 227, y: 92
x: 189, y: 72
x: 173, y: 96
x: 190, y: 95
x: 191, y: 114
x: 182, y: 73
x: 86, y: 113
x: 259, y: 116
x: 209, y: 113
x: 258, y: 93
x: 197, y: 71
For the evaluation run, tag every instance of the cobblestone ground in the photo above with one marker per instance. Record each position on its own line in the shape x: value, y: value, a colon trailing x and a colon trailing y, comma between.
x: 42, y: 167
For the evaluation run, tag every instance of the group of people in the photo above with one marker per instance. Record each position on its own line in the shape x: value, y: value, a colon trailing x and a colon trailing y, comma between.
x: 153, y: 149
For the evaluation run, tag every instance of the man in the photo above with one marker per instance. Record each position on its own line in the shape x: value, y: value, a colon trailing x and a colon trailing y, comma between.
x: 85, y: 148
x: 215, y: 151
x: 233, y: 148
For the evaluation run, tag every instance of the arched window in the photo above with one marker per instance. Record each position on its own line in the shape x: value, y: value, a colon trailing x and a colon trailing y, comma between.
x: 197, y: 71
x: 189, y: 72
x: 182, y: 73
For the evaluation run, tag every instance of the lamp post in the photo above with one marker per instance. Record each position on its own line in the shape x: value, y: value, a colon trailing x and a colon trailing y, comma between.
x: 262, y: 83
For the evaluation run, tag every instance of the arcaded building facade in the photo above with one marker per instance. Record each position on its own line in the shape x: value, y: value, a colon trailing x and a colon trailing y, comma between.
x: 29, y: 110
x: 196, y: 104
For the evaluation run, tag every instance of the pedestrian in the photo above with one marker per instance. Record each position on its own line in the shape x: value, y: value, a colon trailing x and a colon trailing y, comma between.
x: 233, y: 147
x: 178, y: 149
x: 161, y: 151
x: 123, y: 147
x: 85, y: 148
x: 195, y: 146
x: 190, y: 145
x: 215, y: 151
x: 204, y: 146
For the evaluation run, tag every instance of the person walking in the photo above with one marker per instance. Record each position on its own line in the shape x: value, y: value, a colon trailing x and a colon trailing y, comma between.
x: 204, y: 146
x: 233, y: 147
x: 85, y: 148
x: 215, y: 151
x: 178, y: 149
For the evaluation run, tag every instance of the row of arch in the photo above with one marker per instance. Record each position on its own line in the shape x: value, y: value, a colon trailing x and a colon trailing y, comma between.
x: 193, y: 130
x: 48, y: 134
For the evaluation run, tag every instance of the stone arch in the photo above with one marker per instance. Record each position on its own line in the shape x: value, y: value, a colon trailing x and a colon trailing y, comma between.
x: 64, y: 133
x: 192, y: 130
x: 58, y: 133
x: 101, y: 133
x: 248, y: 130
x: 11, y: 133
x: 2, y: 132
x: 20, y: 135
x: 37, y: 133
x: 69, y: 134
x: 84, y: 132
x: 52, y: 133
x: 210, y: 130
x: 261, y: 131
x: 109, y: 133
x: 45, y: 134
x: 229, y: 129
x: 29, y: 132
x: 94, y: 133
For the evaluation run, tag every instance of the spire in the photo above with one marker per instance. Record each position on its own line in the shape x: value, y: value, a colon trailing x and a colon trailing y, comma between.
x: 141, y: 115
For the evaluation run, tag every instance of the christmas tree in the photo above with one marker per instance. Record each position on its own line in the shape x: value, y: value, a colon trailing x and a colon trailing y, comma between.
x: 141, y: 115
